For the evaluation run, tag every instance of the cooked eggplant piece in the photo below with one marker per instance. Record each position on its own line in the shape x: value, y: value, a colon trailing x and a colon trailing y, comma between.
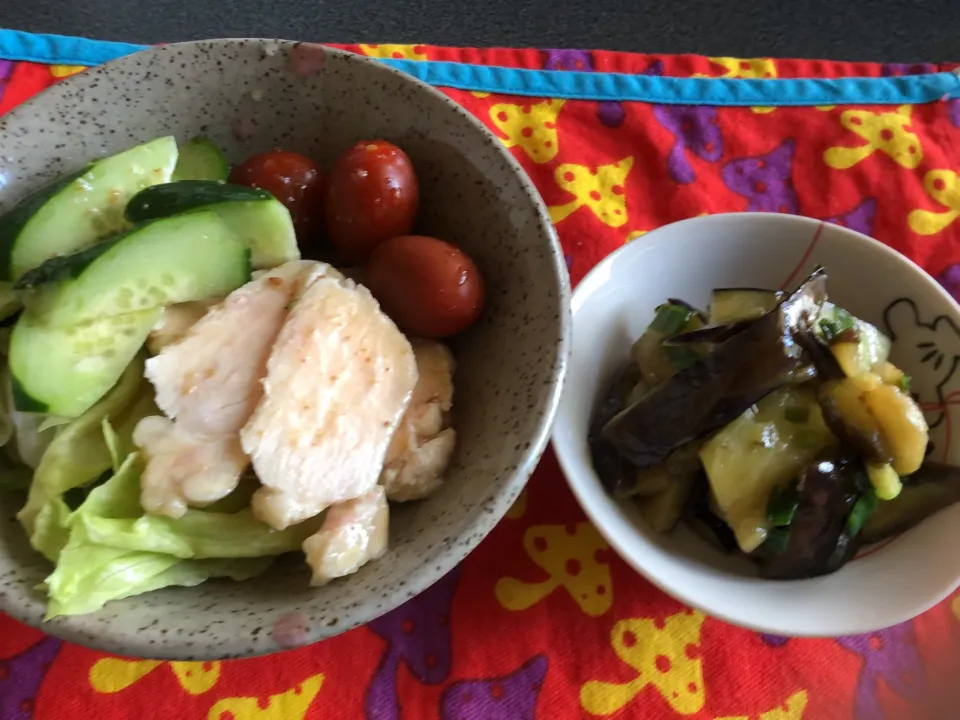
x: 610, y: 467
x: 848, y: 416
x: 730, y: 305
x: 880, y: 422
x: 858, y: 345
x: 933, y: 487
x: 663, y: 511
x: 903, y: 424
x: 763, y: 449
x: 818, y: 542
x: 714, y: 391
x: 681, y: 464
x: 705, y: 522
x: 656, y: 361
x: 712, y: 334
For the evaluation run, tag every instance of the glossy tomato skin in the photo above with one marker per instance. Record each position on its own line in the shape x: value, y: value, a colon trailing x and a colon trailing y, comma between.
x: 372, y: 196
x: 430, y: 288
x: 294, y: 180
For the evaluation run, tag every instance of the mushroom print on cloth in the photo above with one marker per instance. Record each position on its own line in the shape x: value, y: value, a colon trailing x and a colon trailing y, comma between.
x: 543, y: 621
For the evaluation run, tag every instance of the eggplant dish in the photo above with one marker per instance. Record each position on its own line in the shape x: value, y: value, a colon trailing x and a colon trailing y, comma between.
x: 774, y: 425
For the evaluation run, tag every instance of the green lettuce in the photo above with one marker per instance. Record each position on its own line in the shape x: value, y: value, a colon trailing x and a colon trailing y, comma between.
x: 78, y: 454
x: 51, y: 530
x: 198, y: 534
x: 83, y: 512
x: 107, y: 549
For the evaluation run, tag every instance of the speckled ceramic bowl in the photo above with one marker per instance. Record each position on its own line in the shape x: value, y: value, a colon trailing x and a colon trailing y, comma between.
x: 250, y: 96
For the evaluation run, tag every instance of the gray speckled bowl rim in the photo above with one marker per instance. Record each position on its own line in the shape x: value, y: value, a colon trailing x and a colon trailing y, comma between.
x: 128, y: 642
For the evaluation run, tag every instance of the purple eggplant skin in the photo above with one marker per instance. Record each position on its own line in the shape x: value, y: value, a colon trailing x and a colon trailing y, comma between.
x: 819, y: 543
x: 823, y: 360
x: 933, y: 487
x: 709, y: 334
x: 613, y: 472
x: 710, y: 393
x: 698, y: 511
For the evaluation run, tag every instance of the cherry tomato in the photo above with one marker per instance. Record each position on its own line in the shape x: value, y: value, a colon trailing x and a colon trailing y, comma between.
x: 294, y: 180
x: 372, y: 196
x: 430, y: 288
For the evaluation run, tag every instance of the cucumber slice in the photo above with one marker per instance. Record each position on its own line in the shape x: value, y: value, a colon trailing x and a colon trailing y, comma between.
x: 259, y: 220
x: 186, y: 257
x: 75, y: 211
x: 200, y: 159
x: 64, y: 371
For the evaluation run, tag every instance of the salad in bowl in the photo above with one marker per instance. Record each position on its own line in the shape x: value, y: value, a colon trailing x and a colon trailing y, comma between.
x: 187, y: 396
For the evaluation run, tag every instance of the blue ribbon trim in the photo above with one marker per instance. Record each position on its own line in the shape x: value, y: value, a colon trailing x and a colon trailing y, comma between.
x: 913, y: 89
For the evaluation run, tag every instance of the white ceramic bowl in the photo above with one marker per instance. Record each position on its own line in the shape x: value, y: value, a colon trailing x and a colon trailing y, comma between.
x: 612, y: 306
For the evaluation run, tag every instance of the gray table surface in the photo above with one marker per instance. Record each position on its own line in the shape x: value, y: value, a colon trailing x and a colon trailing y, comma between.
x: 887, y: 30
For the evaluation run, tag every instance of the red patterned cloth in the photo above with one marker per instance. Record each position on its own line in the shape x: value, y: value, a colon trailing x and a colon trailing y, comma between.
x: 543, y: 620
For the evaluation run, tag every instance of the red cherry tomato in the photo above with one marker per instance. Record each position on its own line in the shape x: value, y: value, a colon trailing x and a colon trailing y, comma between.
x: 430, y: 288
x: 372, y: 196
x: 294, y: 180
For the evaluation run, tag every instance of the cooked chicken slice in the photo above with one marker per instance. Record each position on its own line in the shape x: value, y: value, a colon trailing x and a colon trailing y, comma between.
x: 423, y: 445
x: 353, y: 533
x: 338, y: 381
x: 184, y: 468
x: 209, y: 380
x: 175, y: 322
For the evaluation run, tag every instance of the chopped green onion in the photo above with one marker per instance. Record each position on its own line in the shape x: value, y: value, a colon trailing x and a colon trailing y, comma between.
x: 861, y: 511
x: 844, y: 320
x: 905, y: 382
x: 777, y: 541
x: 841, y: 322
x: 681, y: 356
x: 670, y: 318
x: 829, y: 330
x: 782, y: 506
x: 796, y: 413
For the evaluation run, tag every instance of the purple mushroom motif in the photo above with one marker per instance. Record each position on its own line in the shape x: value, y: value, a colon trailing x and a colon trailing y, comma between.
x: 774, y: 640
x: 954, y: 111
x: 949, y: 277
x: 694, y: 128
x: 609, y: 113
x: 764, y: 180
x: 890, y: 655
x: 859, y: 219
x: 512, y: 697
x: 418, y: 634
x: 21, y: 677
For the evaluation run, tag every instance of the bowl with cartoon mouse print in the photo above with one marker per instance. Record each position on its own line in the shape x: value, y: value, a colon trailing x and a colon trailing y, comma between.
x: 743, y: 390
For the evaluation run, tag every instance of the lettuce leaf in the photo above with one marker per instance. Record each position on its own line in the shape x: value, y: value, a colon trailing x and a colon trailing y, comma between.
x: 114, y: 551
x: 78, y: 454
x: 111, y: 516
x: 89, y: 575
x: 198, y: 534
x: 51, y: 530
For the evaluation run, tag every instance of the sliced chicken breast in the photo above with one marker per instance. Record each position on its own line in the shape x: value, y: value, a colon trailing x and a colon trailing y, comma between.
x: 176, y: 322
x: 209, y: 380
x: 184, y: 468
x: 339, y: 379
x: 423, y: 445
x: 353, y: 533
